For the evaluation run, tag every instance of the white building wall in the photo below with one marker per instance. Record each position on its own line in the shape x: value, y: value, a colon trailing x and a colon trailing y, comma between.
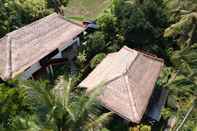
x: 28, y: 73
x: 69, y: 44
x: 34, y: 68
x: 58, y: 55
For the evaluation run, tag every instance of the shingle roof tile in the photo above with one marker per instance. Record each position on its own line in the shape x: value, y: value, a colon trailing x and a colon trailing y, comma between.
x: 31, y: 43
x: 129, y: 78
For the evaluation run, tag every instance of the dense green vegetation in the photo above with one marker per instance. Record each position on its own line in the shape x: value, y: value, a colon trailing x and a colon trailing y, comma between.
x: 167, y: 28
x: 35, y: 105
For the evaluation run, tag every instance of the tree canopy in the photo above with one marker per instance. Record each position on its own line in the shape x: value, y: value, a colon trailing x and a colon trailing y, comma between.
x: 166, y: 28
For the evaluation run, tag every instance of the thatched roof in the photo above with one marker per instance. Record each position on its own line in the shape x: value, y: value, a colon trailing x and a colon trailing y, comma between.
x: 129, y: 78
x: 26, y: 46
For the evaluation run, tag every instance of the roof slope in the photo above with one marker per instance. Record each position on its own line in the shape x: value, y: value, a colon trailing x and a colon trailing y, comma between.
x: 129, y: 80
x: 31, y: 43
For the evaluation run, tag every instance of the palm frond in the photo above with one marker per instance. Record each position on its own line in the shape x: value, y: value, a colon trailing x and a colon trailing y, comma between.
x: 36, y: 92
x: 64, y: 109
x: 99, y: 122
x: 67, y: 94
x: 185, y: 61
x: 183, y: 26
x: 93, y: 94
x: 59, y: 90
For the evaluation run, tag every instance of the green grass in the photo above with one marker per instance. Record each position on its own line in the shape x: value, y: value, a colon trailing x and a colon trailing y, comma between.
x: 86, y: 9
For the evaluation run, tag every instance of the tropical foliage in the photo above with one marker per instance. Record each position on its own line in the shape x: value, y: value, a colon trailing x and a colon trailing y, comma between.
x: 184, y: 87
x: 56, y: 109
x: 167, y: 28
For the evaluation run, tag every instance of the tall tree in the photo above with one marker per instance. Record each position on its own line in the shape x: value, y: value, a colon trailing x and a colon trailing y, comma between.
x: 176, y: 8
x: 141, y: 23
x: 183, y: 86
x: 185, y: 29
x: 16, y: 13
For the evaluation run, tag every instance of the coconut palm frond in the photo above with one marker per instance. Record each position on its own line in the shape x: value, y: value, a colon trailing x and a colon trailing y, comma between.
x: 99, y: 122
x: 62, y: 92
x: 67, y: 93
x: 60, y: 89
x: 183, y: 26
x: 90, y: 104
x: 182, y: 84
x: 36, y: 92
x: 185, y: 63
x: 60, y: 108
x: 71, y: 114
x: 184, y: 30
x: 185, y: 60
x: 93, y: 94
x: 85, y: 108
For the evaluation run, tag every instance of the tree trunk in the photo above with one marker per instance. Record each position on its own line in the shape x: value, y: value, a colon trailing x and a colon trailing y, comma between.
x: 58, y: 7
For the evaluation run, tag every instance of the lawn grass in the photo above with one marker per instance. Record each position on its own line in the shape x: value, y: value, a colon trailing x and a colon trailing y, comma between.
x: 86, y: 9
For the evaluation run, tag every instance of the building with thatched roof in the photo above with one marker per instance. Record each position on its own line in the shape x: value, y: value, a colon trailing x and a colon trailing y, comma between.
x: 129, y: 78
x: 24, y: 51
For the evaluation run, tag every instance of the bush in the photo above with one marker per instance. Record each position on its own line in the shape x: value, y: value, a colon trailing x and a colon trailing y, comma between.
x: 12, y: 103
x: 95, y: 43
x: 145, y: 128
x: 81, y: 58
x: 96, y: 60
x: 108, y: 25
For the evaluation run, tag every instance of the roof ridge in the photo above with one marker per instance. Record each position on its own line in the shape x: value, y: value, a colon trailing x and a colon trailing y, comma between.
x: 128, y: 49
x: 127, y: 66
x: 8, y: 71
x: 132, y: 102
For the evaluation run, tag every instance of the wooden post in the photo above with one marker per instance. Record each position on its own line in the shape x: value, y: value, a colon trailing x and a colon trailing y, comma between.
x: 48, y: 71
x: 32, y: 77
x: 51, y: 70
x: 78, y: 41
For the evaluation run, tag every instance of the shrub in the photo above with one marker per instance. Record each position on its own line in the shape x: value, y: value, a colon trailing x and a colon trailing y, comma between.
x: 82, y: 57
x: 96, y: 60
x: 145, y: 128
x: 95, y: 44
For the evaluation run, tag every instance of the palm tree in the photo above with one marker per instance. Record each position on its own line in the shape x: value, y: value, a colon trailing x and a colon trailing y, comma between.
x: 184, y: 32
x: 61, y: 109
x: 177, y: 8
x: 184, y: 80
x: 183, y: 84
x: 185, y: 29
